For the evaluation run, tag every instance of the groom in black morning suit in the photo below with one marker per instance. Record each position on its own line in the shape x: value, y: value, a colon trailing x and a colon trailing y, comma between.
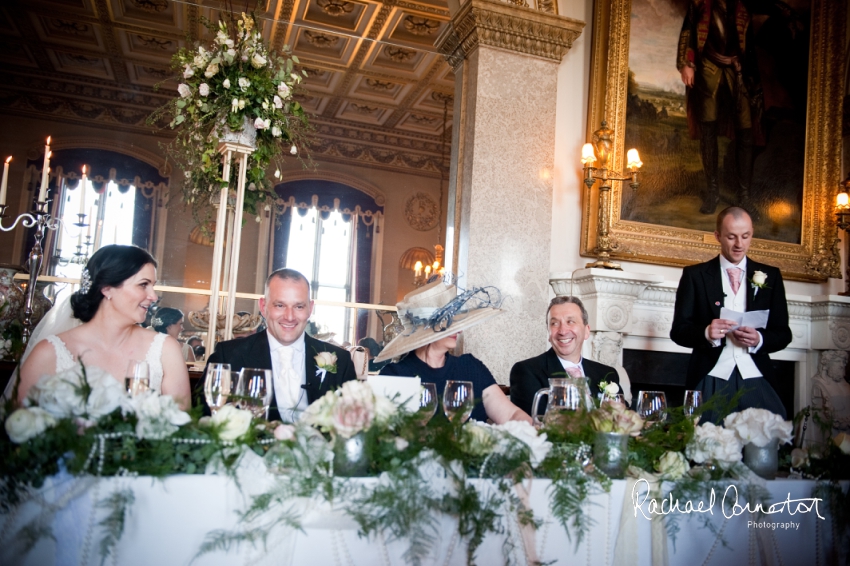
x: 286, y: 349
x: 567, y: 321
x: 726, y: 360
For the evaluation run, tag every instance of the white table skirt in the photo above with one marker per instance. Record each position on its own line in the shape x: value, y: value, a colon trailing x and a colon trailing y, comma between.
x: 170, y: 519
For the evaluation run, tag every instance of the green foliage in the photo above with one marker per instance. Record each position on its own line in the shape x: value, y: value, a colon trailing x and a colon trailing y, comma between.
x: 211, y: 97
x: 118, y: 505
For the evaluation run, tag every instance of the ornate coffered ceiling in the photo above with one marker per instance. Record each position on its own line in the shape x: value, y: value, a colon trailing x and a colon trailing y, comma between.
x: 376, y: 87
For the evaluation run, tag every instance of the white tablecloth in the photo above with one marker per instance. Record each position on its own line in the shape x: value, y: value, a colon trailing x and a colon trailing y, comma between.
x: 170, y: 518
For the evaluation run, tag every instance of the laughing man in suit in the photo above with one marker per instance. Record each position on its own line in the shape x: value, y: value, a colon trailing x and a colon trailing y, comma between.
x: 724, y: 360
x: 568, y: 325
x: 286, y: 349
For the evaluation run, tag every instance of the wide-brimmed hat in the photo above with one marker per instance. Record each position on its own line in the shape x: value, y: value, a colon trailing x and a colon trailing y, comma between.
x: 435, y: 311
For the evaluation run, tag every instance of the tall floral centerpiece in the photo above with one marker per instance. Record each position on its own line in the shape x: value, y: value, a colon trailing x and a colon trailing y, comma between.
x: 233, y: 84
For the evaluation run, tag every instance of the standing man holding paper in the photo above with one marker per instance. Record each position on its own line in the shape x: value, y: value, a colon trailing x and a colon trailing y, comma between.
x: 727, y: 357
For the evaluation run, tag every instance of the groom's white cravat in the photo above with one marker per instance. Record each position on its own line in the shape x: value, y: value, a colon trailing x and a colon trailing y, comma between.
x: 288, y: 376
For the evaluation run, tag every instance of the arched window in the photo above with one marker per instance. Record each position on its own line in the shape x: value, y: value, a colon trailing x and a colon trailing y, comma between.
x: 325, y: 230
x: 118, y: 200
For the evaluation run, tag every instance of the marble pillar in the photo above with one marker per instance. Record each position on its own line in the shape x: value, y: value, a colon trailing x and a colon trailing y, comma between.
x: 499, y: 220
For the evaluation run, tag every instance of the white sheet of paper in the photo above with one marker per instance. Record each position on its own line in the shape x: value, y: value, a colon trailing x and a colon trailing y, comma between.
x: 402, y: 390
x: 752, y: 319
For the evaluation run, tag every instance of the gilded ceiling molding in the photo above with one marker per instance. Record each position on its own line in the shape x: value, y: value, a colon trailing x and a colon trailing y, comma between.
x: 515, y: 28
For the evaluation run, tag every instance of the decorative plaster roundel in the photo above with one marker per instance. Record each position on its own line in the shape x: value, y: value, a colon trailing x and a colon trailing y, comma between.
x: 841, y: 336
x: 421, y: 212
x: 616, y: 317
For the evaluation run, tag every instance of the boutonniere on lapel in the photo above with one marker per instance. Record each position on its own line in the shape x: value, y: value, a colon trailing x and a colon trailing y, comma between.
x: 758, y: 281
x: 325, y: 362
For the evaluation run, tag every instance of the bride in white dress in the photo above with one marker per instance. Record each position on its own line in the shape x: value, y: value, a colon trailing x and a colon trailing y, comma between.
x: 115, y: 294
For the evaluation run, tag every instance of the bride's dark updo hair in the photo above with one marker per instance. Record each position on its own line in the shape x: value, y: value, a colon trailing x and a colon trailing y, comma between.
x: 165, y: 317
x: 110, y: 266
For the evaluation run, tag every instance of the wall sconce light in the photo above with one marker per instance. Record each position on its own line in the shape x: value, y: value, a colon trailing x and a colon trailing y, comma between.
x: 594, y: 157
x: 842, y: 221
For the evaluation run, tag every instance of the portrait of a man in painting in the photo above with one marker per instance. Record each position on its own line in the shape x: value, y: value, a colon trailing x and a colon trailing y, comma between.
x: 717, y: 94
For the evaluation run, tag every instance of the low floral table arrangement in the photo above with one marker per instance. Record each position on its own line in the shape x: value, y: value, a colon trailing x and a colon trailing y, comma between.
x: 82, y: 422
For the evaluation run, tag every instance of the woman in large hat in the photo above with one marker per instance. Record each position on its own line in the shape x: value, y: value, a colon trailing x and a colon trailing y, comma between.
x: 433, y: 316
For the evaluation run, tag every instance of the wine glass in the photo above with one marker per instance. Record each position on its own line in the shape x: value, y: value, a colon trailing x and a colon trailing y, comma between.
x: 618, y: 398
x: 693, y: 399
x: 254, y: 390
x: 427, y: 402
x: 651, y: 405
x: 217, y: 386
x: 458, y: 399
x: 137, y: 379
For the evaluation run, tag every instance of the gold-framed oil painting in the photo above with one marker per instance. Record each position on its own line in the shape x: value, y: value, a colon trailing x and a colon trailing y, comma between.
x: 780, y: 157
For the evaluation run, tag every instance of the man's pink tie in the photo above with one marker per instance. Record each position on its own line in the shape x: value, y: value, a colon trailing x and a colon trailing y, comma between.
x: 574, y: 371
x: 734, y: 278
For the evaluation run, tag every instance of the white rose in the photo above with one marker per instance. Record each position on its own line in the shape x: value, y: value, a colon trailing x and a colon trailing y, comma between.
x: 759, y: 277
x: 260, y: 124
x: 235, y: 422
x: 325, y: 359
x: 400, y: 443
x: 278, y: 103
x: 158, y: 415
x: 106, y: 394
x: 712, y: 442
x: 320, y: 412
x: 258, y: 61
x: 241, y: 104
x: 672, y: 465
x: 184, y: 90
x: 27, y: 423
x: 188, y: 72
x: 611, y: 389
x: 759, y: 426
x: 222, y: 38
x: 204, y: 89
x: 293, y: 150
x: 244, y: 83
x: 283, y: 90
x: 226, y: 83
x: 527, y: 434
x: 265, y: 105
x: 58, y: 394
x: 211, y: 70
x: 842, y: 440
x: 384, y: 409
x: 276, y: 131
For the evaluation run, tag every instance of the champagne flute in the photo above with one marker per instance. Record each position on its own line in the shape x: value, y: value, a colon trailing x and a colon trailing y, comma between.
x: 458, y: 399
x: 427, y: 402
x: 651, y: 405
x: 217, y: 386
x: 254, y: 390
x: 693, y: 399
x: 137, y: 379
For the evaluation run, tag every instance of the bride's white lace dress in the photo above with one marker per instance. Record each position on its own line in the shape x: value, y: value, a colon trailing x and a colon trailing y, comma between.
x: 65, y: 360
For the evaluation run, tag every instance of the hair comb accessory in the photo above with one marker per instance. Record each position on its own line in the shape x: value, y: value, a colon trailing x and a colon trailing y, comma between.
x: 85, y: 282
x: 156, y: 321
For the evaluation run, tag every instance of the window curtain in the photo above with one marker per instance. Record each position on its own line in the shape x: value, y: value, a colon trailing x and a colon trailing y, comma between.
x: 102, y: 166
x: 328, y: 196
